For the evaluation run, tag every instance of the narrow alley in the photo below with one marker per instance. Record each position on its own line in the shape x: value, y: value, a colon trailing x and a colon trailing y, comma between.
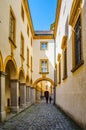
x: 40, y: 116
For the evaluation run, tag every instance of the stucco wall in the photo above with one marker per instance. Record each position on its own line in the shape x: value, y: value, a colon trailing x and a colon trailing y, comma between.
x: 21, y: 26
x: 71, y: 92
x: 40, y: 54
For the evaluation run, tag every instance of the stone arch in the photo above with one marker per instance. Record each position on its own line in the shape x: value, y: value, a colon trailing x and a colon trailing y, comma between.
x: 10, y: 68
x: 21, y: 75
x: 22, y: 88
x: 10, y: 64
x: 1, y: 62
x: 40, y: 79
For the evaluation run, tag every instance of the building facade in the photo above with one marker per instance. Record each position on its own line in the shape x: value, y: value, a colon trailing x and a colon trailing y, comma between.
x: 32, y: 62
x: 71, y: 60
x: 20, y: 72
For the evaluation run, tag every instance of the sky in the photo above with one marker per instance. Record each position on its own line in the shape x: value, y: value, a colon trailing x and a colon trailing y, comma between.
x: 43, y: 13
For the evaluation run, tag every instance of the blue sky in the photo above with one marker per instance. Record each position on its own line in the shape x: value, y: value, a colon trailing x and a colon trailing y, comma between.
x: 42, y: 13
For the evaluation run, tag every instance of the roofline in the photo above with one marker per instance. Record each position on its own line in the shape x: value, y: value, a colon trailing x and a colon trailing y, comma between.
x: 43, y: 36
x: 57, y: 16
x: 27, y: 9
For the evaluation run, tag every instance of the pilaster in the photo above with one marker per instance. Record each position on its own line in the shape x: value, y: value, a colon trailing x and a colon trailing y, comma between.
x: 22, y: 95
x: 14, y: 95
x: 2, y: 96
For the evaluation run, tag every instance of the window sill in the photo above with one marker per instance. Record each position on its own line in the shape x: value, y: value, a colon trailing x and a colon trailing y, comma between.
x: 77, y: 66
x: 12, y: 42
x: 43, y: 72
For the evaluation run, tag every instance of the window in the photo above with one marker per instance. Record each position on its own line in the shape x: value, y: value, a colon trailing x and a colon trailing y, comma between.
x: 64, y: 56
x: 44, y: 65
x: 59, y: 69
x: 22, y: 46
x: 22, y: 12
x: 77, y: 45
x: 31, y: 63
x: 27, y: 30
x: 27, y: 57
x: 75, y: 22
x: 64, y: 63
x: 77, y: 41
x: 31, y: 41
x: 12, y: 27
x: 59, y: 65
x: 44, y: 46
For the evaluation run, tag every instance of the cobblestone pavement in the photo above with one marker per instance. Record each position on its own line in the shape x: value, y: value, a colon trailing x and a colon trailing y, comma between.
x: 40, y: 116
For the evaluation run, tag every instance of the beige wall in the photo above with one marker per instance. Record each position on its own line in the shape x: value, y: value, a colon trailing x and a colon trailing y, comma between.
x: 20, y: 27
x: 71, y: 92
x: 40, y: 54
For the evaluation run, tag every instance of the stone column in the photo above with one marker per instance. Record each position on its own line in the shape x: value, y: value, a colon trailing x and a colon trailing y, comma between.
x: 2, y: 97
x: 33, y: 95
x: 14, y: 95
x: 27, y: 95
x: 22, y: 95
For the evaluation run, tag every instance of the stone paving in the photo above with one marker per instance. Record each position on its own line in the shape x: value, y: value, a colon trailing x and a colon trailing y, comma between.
x: 40, y: 116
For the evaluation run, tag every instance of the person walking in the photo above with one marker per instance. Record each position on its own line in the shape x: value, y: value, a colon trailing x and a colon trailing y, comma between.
x: 46, y: 96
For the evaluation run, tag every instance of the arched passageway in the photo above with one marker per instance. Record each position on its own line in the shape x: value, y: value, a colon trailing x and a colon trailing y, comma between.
x: 41, y: 85
x: 22, y: 89
x: 11, y: 85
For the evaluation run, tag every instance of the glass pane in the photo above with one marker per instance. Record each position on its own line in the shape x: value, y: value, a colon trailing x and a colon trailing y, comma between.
x: 78, y: 41
x: 44, y: 46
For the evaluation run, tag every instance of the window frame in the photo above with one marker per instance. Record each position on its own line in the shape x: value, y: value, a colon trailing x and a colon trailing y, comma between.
x: 22, y: 47
x: 75, y: 13
x: 41, y: 46
x: 27, y: 30
x: 59, y: 69
x: 41, y: 72
x: 22, y: 12
x: 64, y: 55
x: 28, y: 57
x: 12, y: 40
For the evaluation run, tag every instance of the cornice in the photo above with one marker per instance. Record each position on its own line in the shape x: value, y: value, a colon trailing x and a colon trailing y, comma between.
x: 42, y: 37
x: 76, y: 7
x: 27, y: 9
x: 57, y: 16
x: 25, y: 2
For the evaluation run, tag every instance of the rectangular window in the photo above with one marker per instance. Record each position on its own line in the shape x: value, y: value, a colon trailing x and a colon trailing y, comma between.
x: 22, y: 12
x: 12, y: 27
x: 77, y: 50
x: 31, y: 63
x: 77, y: 40
x: 59, y: 69
x: 27, y: 57
x: 31, y: 41
x: 43, y: 45
x: 27, y: 30
x: 22, y: 46
x: 59, y: 72
x: 64, y: 63
x: 44, y: 65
